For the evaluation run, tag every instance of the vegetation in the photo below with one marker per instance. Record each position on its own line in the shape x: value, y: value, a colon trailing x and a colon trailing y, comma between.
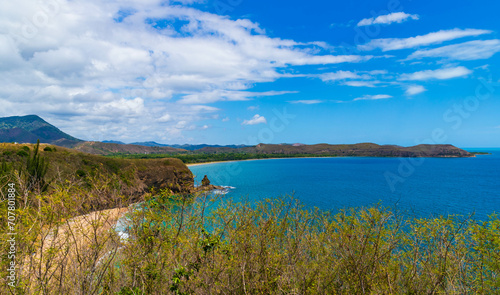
x: 36, y: 169
x: 194, y: 157
x: 204, y: 244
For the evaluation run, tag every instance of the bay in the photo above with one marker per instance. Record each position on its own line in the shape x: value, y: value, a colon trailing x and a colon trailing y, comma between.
x: 420, y: 186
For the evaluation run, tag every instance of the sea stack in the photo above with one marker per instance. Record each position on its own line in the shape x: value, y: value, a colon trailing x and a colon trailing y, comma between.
x: 205, y: 181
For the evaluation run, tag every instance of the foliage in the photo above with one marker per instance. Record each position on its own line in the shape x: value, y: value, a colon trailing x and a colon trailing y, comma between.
x: 22, y: 153
x: 194, y: 157
x: 203, y: 244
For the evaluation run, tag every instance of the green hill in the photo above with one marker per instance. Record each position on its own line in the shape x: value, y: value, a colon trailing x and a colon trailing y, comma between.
x: 346, y: 150
x: 128, y: 177
x: 27, y: 129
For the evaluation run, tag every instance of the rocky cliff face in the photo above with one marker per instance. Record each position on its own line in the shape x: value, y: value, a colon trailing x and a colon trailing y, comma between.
x: 165, y: 174
x: 131, y: 178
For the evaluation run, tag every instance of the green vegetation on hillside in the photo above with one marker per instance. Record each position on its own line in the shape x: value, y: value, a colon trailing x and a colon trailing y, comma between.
x: 192, y: 157
x: 175, y: 245
x: 203, y: 244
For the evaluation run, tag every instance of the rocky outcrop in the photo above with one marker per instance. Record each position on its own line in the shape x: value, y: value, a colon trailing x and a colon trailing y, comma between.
x: 168, y: 173
x: 206, y: 186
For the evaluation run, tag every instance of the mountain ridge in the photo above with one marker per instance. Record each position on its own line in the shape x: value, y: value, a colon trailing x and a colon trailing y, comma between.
x: 28, y: 129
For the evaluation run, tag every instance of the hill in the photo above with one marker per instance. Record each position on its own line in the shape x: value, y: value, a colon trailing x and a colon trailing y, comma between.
x: 354, y: 150
x: 130, y: 177
x: 189, y: 147
x: 27, y: 129
x: 108, y: 148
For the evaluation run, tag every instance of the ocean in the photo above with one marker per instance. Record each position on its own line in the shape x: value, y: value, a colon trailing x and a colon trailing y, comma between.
x: 422, y: 187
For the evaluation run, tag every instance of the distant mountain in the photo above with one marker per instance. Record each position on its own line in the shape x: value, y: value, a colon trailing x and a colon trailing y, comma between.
x: 149, y: 143
x: 28, y: 129
x: 113, y: 141
x: 195, y: 147
x: 106, y: 148
x: 189, y: 147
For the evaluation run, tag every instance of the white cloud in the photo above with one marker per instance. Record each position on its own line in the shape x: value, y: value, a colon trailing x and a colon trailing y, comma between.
x: 91, y: 64
x: 370, y: 84
x: 253, y: 108
x: 354, y: 79
x: 396, y: 17
x: 414, y: 90
x: 165, y: 118
x: 388, y: 44
x: 309, y: 101
x: 373, y: 97
x: 472, y: 50
x: 440, y: 74
x: 340, y: 75
x: 224, y: 95
x: 257, y: 119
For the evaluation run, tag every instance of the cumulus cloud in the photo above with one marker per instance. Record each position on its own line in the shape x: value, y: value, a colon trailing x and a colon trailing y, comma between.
x: 396, y: 17
x: 309, y: 101
x: 257, y: 119
x: 373, y: 97
x: 414, y: 90
x: 88, y: 63
x: 354, y: 79
x: 472, y: 50
x: 440, y: 74
x: 387, y: 44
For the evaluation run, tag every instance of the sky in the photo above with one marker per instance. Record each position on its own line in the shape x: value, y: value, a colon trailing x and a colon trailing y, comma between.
x: 246, y: 72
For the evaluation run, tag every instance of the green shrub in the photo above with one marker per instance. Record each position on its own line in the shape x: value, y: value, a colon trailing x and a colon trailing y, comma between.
x: 81, y: 173
x: 22, y: 153
x: 26, y: 148
x: 47, y: 149
x: 207, y: 245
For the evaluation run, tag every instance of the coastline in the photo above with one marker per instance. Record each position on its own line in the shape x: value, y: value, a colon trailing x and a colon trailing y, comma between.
x: 215, y: 162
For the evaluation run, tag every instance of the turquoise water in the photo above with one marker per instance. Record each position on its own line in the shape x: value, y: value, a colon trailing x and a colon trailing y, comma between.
x: 422, y: 186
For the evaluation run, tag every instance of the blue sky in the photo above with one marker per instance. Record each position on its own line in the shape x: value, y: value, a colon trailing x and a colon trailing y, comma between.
x: 239, y: 71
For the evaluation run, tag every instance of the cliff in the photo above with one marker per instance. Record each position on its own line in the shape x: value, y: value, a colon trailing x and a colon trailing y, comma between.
x: 130, y: 177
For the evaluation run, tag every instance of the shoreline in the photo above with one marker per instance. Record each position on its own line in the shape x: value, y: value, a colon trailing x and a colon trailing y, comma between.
x: 216, y: 162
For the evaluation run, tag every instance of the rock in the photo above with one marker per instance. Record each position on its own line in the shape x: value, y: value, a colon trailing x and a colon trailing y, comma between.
x: 205, y: 181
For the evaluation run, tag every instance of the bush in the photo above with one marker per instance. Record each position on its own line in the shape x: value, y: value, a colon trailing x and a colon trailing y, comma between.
x: 176, y: 245
x: 26, y: 148
x: 47, y: 149
x: 22, y: 153
x: 81, y: 173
